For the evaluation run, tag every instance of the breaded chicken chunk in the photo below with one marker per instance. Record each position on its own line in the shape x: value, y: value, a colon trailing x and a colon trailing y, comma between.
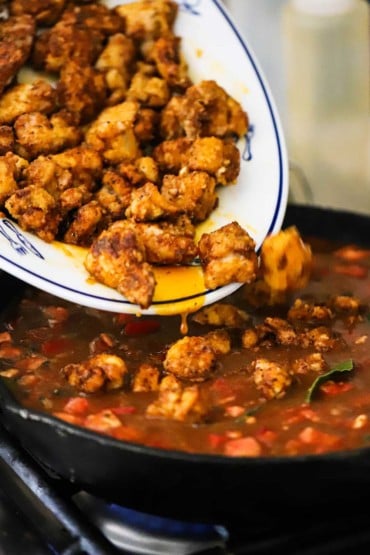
x: 218, y: 158
x: 45, y: 12
x: 271, y: 378
x: 146, y: 378
x: 7, y: 142
x: 148, y: 88
x: 35, y: 210
x: 12, y: 168
x: 75, y: 167
x: 177, y: 402
x: 102, y: 371
x: 221, y: 314
x: 37, y: 134
x: 190, y: 358
x: 170, y: 64
x: 94, y: 16
x: 148, y: 204
x: 116, y: 62
x: 228, y: 255
x: 168, y: 242
x: 81, y: 90
x: 63, y: 42
x: 286, y: 261
x: 24, y: 98
x: 192, y: 193
x: 114, y: 196
x: 16, y: 39
x: 205, y: 110
x: 148, y: 19
x: 83, y: 227
x: 117, y: 259
x: 112, y: 133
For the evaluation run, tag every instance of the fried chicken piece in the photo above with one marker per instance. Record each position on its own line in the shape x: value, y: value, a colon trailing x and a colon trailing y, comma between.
x: 321, y: 338
x: 112, y: 133
x: 117, y: 259
x: 86, y: 221
x: 193, y: 194
x: 168, y: 242
x: 139, y: 171
x: 114, y: 196
x: 96, y: 17
x: 309, y: 312
x: 282, y: 332
x: 146, y: 378
x: 81, y: 90
x: 148, y: 204
x: 270, y: 378
x: 45, y: 12
x: 35, y: 210
x: 37, y: 134
x: 25, y: 98
x: 12, y: 168
x: 75, y: 167
x: 170, y: 64
x: 219, y: 341
x: 345, y: 304
x: 16, y: 39
x: 190, y: 358
x: 218, y: 158
x: 177, y: 402
x: 314, y: 362
x: 7, y: 142
x: 228, y: 255
x: 286, y: 261
x: 146, y: 126
x: 172, y: 155
x: 221, y: 314
x: 64, y: 42
x: 116, y: 63
x: 147, y: 88
x: 102, y: 371
x: 205, y: 110
x: 147, y: 20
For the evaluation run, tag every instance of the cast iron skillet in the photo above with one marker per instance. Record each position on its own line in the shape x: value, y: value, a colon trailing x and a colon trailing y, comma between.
x: 201, y: 487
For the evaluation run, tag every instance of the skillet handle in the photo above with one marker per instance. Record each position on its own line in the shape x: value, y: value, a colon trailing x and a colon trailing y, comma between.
x: 57, y: 520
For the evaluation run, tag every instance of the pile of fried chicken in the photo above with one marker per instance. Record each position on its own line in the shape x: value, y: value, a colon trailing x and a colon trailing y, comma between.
x: 113, y: 147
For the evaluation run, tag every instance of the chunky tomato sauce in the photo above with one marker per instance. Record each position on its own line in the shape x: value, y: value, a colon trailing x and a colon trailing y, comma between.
x: 294, y: 380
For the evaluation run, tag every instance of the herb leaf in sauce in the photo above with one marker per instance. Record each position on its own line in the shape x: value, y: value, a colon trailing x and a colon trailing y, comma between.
x: 344, y: 366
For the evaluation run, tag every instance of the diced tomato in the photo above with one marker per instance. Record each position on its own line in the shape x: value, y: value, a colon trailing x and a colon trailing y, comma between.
x: 122, y: 319
x: 322, y: 440
x: 352, y: 253
x: 5, y: 337
x: 123, y: 410
x: 142, y: 326
x: 70, y: 418
x: 55, y: 346
x: 234, y: 411
x: 77, y: 406
x: 351, y: 270
x: 266, y: 436
x: 216, y: 440
x: 126, y: 433
x: 243, y: 447
x: 8, y: 351
x: 333, y: 388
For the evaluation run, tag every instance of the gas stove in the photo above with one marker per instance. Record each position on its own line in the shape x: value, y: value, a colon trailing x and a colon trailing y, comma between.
x: 41, y: 514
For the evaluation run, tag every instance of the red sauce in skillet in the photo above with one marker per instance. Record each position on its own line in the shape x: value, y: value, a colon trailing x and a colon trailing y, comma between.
x: 322, y: 409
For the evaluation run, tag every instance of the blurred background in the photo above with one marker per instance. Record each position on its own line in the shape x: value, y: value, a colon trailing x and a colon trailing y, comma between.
x: 315, y: 55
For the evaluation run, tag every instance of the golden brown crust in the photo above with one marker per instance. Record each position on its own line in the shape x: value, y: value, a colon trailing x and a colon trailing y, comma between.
x: 16, y: 39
